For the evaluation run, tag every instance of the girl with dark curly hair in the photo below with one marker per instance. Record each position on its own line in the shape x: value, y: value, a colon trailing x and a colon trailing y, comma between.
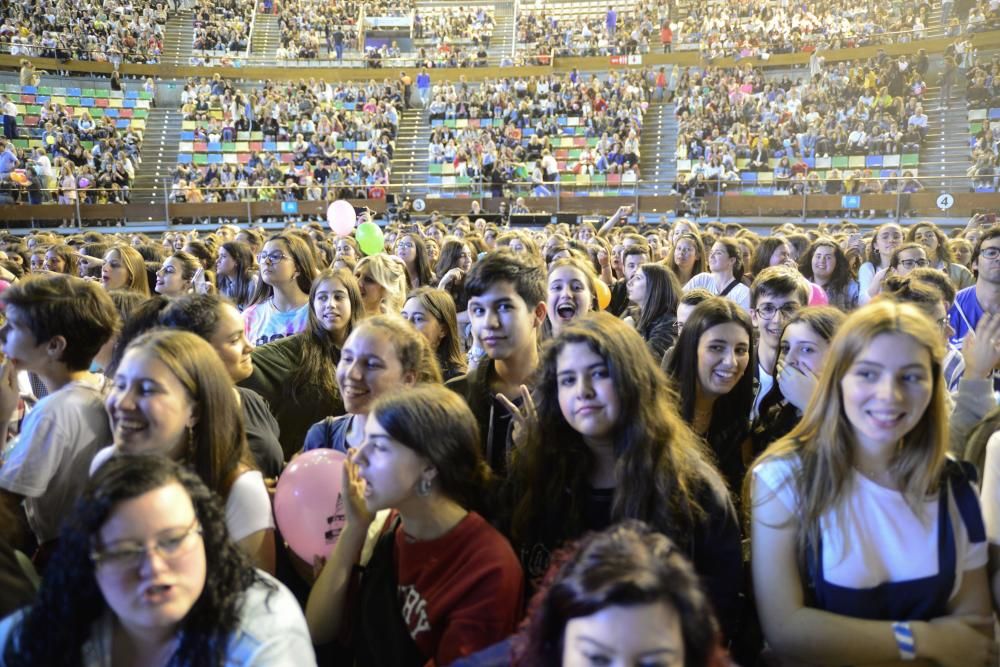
x: 145, y: 573
x: 624, y: 596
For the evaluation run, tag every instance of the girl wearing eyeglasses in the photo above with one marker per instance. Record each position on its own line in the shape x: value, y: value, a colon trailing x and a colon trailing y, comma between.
x: 146, y: 574
x: 280, y: 306
x: 940, y: 254
x: 411, y: 249
x: 904, y: 258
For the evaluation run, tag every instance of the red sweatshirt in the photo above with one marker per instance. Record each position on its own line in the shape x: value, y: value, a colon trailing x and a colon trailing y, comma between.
x: 461, y: 592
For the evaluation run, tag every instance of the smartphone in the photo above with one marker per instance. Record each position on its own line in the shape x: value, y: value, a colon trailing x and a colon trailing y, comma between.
x: 988, y: 218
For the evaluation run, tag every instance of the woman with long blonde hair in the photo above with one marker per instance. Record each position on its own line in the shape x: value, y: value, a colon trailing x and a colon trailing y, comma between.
x: 868, y: 545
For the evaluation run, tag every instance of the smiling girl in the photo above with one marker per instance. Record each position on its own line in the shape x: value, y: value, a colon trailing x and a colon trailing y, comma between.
x: 868, y: 543
x: 709, y: 366
x: 571, y: 292
x: 606, y: 444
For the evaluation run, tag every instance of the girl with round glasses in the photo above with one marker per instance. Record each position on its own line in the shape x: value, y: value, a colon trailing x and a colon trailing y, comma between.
x: 280, y: 306
x: 146, y: 574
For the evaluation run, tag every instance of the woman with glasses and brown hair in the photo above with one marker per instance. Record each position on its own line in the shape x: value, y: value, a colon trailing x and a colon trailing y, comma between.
x: 280, y: 306
x: 146, y: 574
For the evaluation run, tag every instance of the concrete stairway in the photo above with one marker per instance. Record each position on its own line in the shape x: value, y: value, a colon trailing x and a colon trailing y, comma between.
x: 159, y: 155
x: 656, y: 149
x: 504, y: 33
x: 178, y: 36
x: 266, y: 36
x: 945, y: 152
x: 409, y: 162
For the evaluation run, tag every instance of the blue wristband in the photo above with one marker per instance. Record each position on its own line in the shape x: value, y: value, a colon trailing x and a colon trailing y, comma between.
x: 904, y: 640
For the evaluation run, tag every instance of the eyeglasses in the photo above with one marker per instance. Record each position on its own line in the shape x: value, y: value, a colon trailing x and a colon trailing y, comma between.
x: 169, y: 547
x: 913, y: 263
x: 271, y: 257
x: 990, y: 253
x: 767, y: 311
x: 405, y: 245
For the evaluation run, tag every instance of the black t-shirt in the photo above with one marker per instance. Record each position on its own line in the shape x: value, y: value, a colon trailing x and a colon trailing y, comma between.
x: 263, y: 433
x: 294, y: 408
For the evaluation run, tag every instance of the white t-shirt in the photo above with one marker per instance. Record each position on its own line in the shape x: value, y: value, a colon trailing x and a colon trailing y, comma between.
x: 272, y: 632
x: 874, y: 537
x: 248, y: 507
x: 991, y: 489
x: 264, y: 323
x: 740, y: 294
x: 47, y: 463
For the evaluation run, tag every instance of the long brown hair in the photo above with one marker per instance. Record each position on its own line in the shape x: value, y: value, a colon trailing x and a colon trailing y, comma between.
x: 218, y: 444
x: 824, y: 439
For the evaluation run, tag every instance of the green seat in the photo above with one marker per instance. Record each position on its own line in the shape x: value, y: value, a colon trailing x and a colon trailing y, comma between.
x: 434, y: 169
x: 910, y: 160
x: 201, y: 159
x: 840, y: 162
x: 228, y: 147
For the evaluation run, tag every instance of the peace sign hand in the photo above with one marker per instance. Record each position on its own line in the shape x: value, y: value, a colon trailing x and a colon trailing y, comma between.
x: 524, y: 417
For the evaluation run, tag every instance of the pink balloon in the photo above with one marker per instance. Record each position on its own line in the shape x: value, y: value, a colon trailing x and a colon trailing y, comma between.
x: 341, y: 217
x: 308, y: 504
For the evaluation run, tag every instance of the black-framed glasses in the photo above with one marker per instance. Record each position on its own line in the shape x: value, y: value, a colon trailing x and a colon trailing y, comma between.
x: 909, y: 264
x: 273, y: 257
x: 767, y: 311
x: 169, y: 547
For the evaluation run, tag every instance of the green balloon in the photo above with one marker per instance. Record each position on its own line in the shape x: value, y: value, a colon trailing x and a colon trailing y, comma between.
x: 370, y: 238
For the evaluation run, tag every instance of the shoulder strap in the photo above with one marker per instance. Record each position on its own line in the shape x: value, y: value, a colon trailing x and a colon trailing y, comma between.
x: 729, y: 288
x: 961, y: 476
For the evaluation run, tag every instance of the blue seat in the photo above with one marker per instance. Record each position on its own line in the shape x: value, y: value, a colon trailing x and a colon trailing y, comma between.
x: 873, y: 162
x: 128, y: 104
x: 73, y: 92
x: 994, y: 114
x: 132, y: 94
x: 184, y: 158
x: 215, y: 158
x: 810, y: 162
x: 123, y: 123
x: 111, y: 113
x: 748, y: 176
x: 214, y: 147
x: 187, y: 135
x: 28, y: 90
x: 562, y: 120
x: 42, y: 99
x: 527, y: 132
x: 86, y: 102
x: 270, y: 146
x: 985, y: 188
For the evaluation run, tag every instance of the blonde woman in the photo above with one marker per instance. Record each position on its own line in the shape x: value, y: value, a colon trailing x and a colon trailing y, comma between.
x: 382, y: 279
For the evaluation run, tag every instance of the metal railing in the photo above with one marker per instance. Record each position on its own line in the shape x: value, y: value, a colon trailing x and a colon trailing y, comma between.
x: 938, y: 196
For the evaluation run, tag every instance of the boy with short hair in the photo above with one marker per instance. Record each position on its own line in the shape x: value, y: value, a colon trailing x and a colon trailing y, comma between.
x: 775, y: 295
x: 506, y: 309
x: 635, y: 253
x: 55, y: 326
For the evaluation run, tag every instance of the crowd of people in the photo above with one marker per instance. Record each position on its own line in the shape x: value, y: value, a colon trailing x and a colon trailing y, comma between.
x: 222, y: 25
x: 309, y: 26
x: 450, y: 24
x: 520, y: 147
x: 773, y: 125
x: 312, y: 117
x: 113, y: 31
x: 595, y: 418
x: 757, y: 27
x: 62, y: 170
x: 562, y: 29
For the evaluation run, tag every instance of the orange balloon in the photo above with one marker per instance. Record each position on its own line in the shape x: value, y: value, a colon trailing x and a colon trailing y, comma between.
x: 603, y: 294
